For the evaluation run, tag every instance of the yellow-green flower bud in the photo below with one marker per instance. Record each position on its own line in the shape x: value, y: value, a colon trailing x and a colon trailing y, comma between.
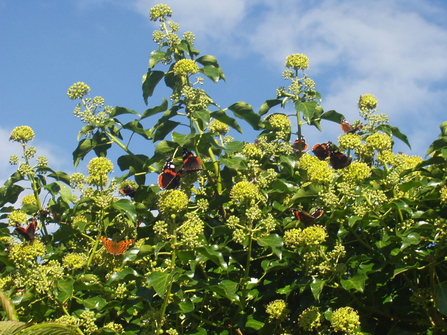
x: 25, y: 169
x: 29, y: 199
x: 218, y: 127
x: 191, y: 230
x: 26, y: 254
x: 379, y: 141
x: 443, y: 195
x: 279, y: 122
x: 245, y: 192
x: 345, y: 319
x: 22, y: 134
x: 297, y: 62
x: 277, y: 310
x: 75, y: 261
x: 14, y: 160
x: 310, y: 319
x: 367, y: 102
x: 251, y: 150
x: 98, y: 168
x: 173, y: 201
x: 185, y: 67
x: 42, y: 161
x: 349, y: 141
x: 17, y: 217
x: 313, y: 235
x: 356, y: 172
x: 189, y: 36
x: 78, y: 90
x: 160, y: 13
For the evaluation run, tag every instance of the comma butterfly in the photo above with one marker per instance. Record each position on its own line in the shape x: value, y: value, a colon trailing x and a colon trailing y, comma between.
x: 29, y: 231
x: 115, y: 248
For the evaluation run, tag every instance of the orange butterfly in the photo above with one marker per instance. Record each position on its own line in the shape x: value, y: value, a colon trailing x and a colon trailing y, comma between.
x: 28, y: 232
x: 115, y: 248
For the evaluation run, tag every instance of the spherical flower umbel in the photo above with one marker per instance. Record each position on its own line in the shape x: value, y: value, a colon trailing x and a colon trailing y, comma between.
x: 313, y: 235
x: 78, y: 90
x: 349, y: 141
x: 310, y: 319
x: 160, y: 13
x: 251, y: 150
x: 379, y: 141
x: 98, y: 168
x: 173, y: 201
x: 367, y: 102
x: 74, y: 261
x: 277, y: 310
x: 297, y: 62
x: 345, y: 319
x: 245, y: 192
x: 356, y: 171
x: 29, y: 199
x: 185, y: 67
x: 218, y: 127
x: 279, y: 122
x: 17, y: 217
x: 22, y: 134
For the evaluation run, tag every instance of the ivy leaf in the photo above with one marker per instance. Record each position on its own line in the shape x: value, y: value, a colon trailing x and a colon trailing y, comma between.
x: 128, y: 207
x: 274, y: 242
x: 121, y: 110
x: 356, y: 282
x: 224, y: 118
x: 84, y: 147
x: 441, y: 297
x: 394, y: 131
x: 244, y: 111
x: 150, y: 81
x: 155, y: 110
x: 267, y: 105
x: 165, y: 129
x: 332, y: 116
x: 316, y: 287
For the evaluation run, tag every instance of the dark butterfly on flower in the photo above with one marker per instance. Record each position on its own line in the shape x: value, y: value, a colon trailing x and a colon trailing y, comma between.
x: 347, y: 128
x: 115, y: 248
x: 306, y: 218
x: 127, y: 190
x: 323, y: 150
x: 190, y: 161
x: 339, y: 160
x: 28, y: 232
x: 300, y: 144
x: 169, y: 179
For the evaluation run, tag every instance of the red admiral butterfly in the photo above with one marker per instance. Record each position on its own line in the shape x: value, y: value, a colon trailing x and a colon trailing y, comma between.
x: 306, y: 218
x: 169, y: 179
x: 300, y: 144
x: 323, y: 150
x: 190, y: 161
x: 347, y: 128
x: 128, y: 191
x: 29, y: 231
x: 339, y: 161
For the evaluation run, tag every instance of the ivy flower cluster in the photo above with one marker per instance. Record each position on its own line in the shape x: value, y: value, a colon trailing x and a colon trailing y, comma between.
x: 22, y: 134
x: 218, y: 127
x: 172, y: 201
x: 277, y: 310
x: 98, y: 168
x: 310, y: 236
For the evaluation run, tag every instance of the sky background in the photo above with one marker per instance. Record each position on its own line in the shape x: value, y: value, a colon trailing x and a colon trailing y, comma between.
x: 396, y: 50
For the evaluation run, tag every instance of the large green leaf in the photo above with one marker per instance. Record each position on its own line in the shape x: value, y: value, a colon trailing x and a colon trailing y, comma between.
x: 159, y: 281
x: 155, y: 110
x: 307, y: 108
x: 394, y: 131
x: 137, y: 127
x: 332, y: 116
x: 274, y: 242
x: 267, y: 105
x: 150, y: 81
x: 224, y: 118
x: 244, y: 111
x: 155, y: 57
x: 163, y: 130
x: 84, y: 147
x: 316, y: 287
x: 356, y: 282
x: 65, y: 287
x: 127, y: 207
x: 121, y: 111
x: 441, y: 297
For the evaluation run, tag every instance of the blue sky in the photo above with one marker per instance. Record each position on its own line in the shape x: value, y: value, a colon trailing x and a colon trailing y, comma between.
x: 396, y: 50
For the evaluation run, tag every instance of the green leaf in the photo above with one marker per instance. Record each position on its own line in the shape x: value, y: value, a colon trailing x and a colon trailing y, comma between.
x: 48, y: 328
x: 211, y: 72
x: 95, y: 303
x: 159, y: 281
x: 155, y: 110
x: 307, y: 108
x: 65, y: 287
x: 186, y: 306
x: 441, y: 297
x: 181, y: 139
x: 224, y: 118
x: 274, y: 242
x: 356, y: 283
x: 137, y: 127
x: 267, y: 105
x: 122, y: 110
x: 212, y: 253
x: 235, y: 162
x: 210, y: 62
x: 437, y: 145
x: 127, y: 207
x: 84, y: 147
x: 316, y: 287
x: 332, y: 116
x: 254, y: 324
x: 155, y: 57
x: 165, y: 129
x: 244, y: 111
x: 411, y: 239
x: 150, y: 81
x: 394, y: 131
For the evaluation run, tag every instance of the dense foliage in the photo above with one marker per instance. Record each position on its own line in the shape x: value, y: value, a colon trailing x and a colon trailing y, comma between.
x: 275, y: 236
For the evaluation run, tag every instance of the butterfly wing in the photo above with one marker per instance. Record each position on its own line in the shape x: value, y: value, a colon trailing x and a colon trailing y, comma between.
x: 28, y: 232
x: 300, y: 144
x: 339, y: 160
x: 317, y: 213
x: 169, y: 179
x: 115, y: 248
x: 190, y: 161
x: 347, y: 128
x: 128, y: 191
x: 304, y: 217
x: 322, y: 151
